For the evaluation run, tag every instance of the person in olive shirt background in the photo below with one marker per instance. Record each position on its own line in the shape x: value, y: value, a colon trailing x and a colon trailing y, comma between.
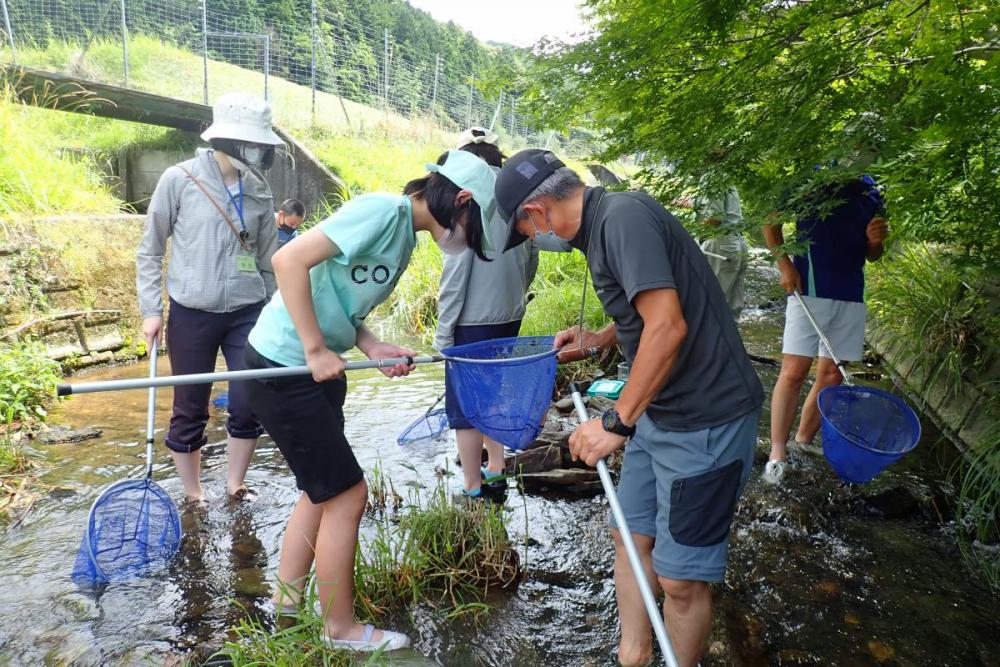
x: 688, y: 415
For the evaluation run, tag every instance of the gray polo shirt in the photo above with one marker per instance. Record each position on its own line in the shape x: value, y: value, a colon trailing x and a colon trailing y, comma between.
x: 633, y: 244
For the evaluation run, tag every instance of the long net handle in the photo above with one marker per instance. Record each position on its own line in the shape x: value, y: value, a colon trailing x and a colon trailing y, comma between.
x: 154, y: 353
x: 638, y: 569
x: 229, y: 376
x: 822, y: 336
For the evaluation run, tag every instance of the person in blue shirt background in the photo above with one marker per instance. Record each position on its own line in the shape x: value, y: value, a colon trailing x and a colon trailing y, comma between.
x: 290, y: 215
x: 329, y: 280
x: 844, y: 226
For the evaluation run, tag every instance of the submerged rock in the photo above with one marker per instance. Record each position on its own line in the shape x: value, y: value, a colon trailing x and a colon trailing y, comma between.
x: 64, y: 434
x: 572, y: 480
x: 894, y: 503
x: 540, y: 459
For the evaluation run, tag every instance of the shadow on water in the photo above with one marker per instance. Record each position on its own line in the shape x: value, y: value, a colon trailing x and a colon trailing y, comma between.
x: 820, y: 572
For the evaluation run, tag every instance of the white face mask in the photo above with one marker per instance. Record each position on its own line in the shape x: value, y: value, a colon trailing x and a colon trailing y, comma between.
x: 453, y: 242
x: 548, y: 240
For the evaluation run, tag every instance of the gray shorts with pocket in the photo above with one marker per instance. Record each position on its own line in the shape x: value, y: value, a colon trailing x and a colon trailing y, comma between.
x: 681, y: 488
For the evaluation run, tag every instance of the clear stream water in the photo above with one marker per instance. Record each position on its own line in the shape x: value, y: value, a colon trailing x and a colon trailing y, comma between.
x: 818, y: 574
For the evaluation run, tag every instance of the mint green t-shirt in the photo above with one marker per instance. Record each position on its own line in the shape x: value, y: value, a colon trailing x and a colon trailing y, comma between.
x: 375, y: 235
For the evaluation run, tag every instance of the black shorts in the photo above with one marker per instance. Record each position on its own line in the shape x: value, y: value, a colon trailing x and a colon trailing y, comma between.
x: 306, y: 420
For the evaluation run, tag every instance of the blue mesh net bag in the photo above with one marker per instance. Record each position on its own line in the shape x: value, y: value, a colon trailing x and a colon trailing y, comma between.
x: 865, y: 430
x: 504, y: 385
x: 429, y: 425
x: 133, y: 530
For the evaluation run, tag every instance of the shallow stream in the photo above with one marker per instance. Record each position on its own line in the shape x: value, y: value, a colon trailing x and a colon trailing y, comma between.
x: 820, y: 573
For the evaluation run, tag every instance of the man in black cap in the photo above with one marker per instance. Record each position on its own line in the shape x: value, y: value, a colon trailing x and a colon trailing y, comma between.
x: 690, y: 409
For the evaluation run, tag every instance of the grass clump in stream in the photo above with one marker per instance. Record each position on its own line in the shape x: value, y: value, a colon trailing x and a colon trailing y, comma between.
x: 450, y: 555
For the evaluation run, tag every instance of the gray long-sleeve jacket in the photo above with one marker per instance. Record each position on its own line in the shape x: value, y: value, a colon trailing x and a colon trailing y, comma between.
x: 476, y: 292
x: 202, y: 272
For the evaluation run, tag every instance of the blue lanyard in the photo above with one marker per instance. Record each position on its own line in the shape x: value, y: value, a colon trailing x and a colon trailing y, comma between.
x: 238, y: 206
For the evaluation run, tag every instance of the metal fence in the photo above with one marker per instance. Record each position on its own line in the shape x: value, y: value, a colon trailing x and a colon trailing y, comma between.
x: 324, y: 52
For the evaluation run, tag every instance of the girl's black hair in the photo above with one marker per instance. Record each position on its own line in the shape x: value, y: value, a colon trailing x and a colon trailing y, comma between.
x: 488, y: 153
x: 440, y: 194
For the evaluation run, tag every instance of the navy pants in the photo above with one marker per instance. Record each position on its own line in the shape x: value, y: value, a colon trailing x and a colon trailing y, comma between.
x: 194, y: 338
x: 463, y: 336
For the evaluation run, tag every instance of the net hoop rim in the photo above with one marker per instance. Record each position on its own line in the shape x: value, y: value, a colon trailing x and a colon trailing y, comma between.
x: 510, y: 361
x: 850, y: 389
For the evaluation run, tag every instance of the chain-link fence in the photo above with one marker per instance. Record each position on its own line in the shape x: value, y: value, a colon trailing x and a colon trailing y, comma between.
x: 325, y: 52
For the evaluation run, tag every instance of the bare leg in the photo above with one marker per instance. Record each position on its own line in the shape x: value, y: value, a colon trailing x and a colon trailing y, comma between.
x: 470, y: 453
x: 335, y: 550
x: 827, y: 374
x: 794, y: 370
x: 297, y: 550
x: 687, y: 611
x: 636, y: 646
x: 189, y: 469
x: 239, y: 453
x: 495, y: 451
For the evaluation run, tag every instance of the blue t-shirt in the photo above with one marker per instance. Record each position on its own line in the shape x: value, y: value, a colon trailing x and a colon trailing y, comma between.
x: 833, y: 266
x: 375, y: 236
x: 286, y: 235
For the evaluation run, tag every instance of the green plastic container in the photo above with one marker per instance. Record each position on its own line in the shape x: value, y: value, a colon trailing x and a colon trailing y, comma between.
x: 606, y: 388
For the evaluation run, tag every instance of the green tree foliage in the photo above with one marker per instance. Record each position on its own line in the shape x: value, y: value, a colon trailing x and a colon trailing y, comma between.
x: 764, y: 93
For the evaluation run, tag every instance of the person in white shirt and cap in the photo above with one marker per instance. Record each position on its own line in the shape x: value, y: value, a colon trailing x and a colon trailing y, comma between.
x: 481, y: 299
x: 219, y: 212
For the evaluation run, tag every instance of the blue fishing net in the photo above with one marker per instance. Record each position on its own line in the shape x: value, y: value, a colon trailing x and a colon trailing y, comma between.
x: 865, y: 430
x: 133, y: 529
x: 504, y: 385
x: 430, y: 425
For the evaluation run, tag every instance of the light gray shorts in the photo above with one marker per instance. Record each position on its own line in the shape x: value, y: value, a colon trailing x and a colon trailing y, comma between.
x: 843, y: 322
x: 681, y: 488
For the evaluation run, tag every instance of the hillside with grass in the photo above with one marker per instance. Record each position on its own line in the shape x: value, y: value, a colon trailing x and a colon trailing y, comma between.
x: 376, y: 150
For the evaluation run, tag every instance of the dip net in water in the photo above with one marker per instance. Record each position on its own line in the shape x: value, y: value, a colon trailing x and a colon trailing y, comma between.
x: 504, y: 386
x: 133, y: 530
x: 429, y: 425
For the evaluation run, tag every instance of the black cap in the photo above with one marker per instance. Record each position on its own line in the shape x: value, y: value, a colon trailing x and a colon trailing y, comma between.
x: 521, y: 174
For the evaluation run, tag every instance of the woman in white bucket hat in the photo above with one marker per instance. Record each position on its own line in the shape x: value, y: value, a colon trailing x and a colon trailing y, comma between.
x: 219, y: 212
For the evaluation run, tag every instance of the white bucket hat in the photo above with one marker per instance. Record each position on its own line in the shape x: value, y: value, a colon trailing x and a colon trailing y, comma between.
x: 243, y: 118
x: 467, y: 137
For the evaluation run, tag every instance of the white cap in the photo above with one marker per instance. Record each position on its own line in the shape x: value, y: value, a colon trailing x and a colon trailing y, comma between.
x: 243, y: 118
x: 468, y: 137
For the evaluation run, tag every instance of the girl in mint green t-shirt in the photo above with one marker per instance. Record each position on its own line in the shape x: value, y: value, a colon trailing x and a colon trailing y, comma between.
x: 329, y: 279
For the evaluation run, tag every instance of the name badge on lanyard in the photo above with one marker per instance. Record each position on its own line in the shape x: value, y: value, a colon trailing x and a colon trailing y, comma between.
x: 246, y: 263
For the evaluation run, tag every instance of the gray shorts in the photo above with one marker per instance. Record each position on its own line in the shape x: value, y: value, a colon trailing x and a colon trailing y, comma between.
x: 681, y: 488
x: 843, y: 322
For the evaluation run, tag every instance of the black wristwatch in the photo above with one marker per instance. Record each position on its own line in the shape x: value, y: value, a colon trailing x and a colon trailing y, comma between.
x: 612, y: 423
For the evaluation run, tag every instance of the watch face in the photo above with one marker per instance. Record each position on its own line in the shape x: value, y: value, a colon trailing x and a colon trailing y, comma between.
x: 608, y: 420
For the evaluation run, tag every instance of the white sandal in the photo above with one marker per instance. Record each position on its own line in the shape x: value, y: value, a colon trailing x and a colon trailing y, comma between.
x: 774, y: 472
x: 390, y: 641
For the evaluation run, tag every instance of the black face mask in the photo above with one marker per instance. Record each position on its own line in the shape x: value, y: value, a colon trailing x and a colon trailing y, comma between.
x: 286, y: 229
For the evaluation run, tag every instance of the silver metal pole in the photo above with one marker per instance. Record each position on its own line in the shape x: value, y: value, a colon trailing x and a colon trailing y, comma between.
x: 125, y: 42
x: 826, y: 341
x: 638, y: 569
x: 714, y: 255
x: 228, y: 376
x: 496, y: 114
x: 313, y: 76
x: 10, y: 32
x: 385, y: 71
x: 151, y: 408
x: 437, y: 70
x: 469, y: 117
x: 513, y: 103
x: 204, y: 50
x: 267, y: 63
